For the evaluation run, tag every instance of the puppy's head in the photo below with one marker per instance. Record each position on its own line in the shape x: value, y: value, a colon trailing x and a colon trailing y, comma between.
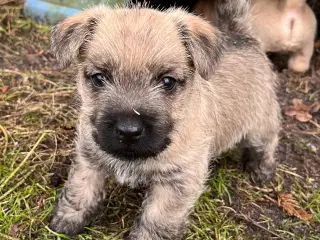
x: 137, y: 68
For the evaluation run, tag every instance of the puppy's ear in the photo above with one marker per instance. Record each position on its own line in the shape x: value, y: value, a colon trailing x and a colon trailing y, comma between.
x: 69, y: 37
x: 203, y: 41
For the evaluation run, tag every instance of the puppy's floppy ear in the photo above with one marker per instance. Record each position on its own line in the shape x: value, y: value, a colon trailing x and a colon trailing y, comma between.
x: 69, y: 37
x: 203, y: 41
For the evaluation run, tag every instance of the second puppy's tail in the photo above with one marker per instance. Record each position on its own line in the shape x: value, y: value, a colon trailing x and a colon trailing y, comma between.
x: 232, y: 15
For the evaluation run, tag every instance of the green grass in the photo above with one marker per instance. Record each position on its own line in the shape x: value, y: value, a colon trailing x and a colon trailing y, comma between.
x: 38, y: 115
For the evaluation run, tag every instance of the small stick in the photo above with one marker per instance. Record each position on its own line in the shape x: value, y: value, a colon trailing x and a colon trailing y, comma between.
x: 249, y: 220
x: 306, y: 132
x: 23, y: 162
x: 24, y: 76
x: 315, y: 123
x: 4, y: 236
x: 6, y: 47
x: 6, y: 139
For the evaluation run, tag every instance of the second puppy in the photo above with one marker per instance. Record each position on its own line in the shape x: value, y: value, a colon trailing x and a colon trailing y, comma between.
x: 287, y: 26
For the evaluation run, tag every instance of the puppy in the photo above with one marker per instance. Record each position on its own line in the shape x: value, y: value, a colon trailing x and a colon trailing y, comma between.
x: 281, y: 25
x: 286, y: 26
x: 162, y: 94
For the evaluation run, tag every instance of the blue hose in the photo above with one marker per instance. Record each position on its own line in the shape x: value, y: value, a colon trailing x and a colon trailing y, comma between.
x: 44, y: 12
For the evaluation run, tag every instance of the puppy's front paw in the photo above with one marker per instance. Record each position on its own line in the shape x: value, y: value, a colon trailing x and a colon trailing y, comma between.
x: 69, y: 223
x: 260, y: 172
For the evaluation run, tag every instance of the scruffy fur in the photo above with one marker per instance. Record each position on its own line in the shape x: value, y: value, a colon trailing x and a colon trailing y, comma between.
x: 225, y: 94
x: 287, y: 26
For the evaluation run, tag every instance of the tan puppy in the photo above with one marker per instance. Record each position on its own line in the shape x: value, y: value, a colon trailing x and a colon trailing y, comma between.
x: 162, y: 94
x: 281, y: 25
x: 286, y: 26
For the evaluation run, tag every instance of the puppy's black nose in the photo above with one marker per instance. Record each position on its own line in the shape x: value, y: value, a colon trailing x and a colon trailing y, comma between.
x: 129, y: 129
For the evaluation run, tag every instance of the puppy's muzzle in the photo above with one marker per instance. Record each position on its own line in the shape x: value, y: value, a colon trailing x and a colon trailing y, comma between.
x: 130, y: 136
x: 129, y: 129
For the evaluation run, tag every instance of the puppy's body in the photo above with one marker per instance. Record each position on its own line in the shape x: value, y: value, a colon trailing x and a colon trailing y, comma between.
x: 287, y: 26
x: 223, y: 94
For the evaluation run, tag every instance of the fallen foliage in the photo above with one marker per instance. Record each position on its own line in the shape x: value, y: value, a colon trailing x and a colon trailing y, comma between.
x: 291, y: 206
x: 301, y: 111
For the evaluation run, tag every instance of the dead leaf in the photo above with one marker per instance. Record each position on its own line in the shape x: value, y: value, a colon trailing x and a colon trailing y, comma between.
x: 292, y: 207
x: 301, y: 111
x: 5, y: 89
x: 299, y: 105
x: 303, y: 116
x: 14, y: 228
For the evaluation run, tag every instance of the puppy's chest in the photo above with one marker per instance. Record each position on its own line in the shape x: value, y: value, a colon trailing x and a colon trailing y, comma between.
x: 140, y: 176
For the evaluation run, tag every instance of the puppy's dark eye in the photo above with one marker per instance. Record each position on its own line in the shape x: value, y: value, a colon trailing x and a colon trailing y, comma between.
x: 168, y: 83
x: 98, y: 79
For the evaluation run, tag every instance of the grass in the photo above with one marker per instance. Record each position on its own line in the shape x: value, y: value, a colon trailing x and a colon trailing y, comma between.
x: 38, y: 115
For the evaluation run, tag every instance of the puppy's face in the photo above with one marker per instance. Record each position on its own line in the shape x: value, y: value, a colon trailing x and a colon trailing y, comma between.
x: 136, y: 69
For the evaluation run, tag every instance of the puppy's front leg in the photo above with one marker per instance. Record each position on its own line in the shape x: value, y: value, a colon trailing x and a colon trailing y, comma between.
x: 166, y: 209
x: 79, y: 198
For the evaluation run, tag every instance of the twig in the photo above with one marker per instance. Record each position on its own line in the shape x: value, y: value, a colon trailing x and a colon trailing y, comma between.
x: 23, y: 162
x: 6, y: 139
x: 270, y: 199
x: 4, y: 236
x: 315, y: 123
x: 48, y: 81
x: 7, y: 48
x: 57, y: 234
x: 249, y: 220
x: 306, y: 132
x: 67, y: 92
x: 282, y: 169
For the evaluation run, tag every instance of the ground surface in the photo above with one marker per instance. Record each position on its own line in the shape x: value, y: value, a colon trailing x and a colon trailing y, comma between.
x: 38, y: 112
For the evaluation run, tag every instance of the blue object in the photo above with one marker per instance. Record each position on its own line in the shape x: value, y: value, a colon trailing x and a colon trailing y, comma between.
x: 53, y: 11
x: 44, y: 12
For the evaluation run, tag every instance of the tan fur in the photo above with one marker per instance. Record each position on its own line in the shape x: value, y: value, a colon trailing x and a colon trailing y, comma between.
x: 228, y: 97
x: 287, y: 26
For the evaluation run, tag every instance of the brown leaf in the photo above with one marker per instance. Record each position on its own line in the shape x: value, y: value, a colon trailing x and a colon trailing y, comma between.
x: 299, y: 105
x: 301, y: 111
x: 290, y: 112
x: 292, y: 207
x: 14, y: 228
x: 5, y: 89
x: 303, y: 116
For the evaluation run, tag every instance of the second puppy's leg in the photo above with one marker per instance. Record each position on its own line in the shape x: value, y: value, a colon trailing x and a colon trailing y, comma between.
x: 300, y: 61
